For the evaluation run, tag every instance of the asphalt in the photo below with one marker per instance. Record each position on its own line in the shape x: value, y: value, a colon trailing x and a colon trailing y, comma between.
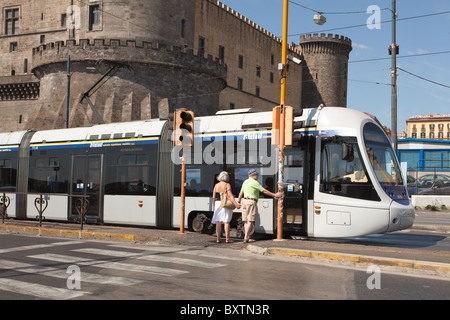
x: 422, y: 260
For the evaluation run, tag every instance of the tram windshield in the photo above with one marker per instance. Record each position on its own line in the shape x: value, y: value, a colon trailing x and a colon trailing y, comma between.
x: 382, y: 156
x: 342, y: 169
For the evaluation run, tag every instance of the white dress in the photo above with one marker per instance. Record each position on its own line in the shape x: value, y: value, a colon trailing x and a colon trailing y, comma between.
x: 221, y: 214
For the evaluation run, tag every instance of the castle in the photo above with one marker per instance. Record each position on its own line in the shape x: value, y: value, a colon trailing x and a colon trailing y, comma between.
x: 138, y: 59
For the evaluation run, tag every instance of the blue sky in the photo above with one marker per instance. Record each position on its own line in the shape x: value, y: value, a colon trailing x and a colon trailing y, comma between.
x: 422, y: 36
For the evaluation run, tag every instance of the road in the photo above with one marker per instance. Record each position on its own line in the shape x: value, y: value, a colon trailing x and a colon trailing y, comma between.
x: 48, y: 268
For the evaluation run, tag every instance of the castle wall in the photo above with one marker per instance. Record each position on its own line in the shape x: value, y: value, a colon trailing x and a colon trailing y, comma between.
x: 220, y: 26
x: 197, y: 54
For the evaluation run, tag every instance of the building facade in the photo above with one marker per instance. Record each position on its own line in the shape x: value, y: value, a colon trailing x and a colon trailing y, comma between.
x: 434, y: 127
x: 158, y: 56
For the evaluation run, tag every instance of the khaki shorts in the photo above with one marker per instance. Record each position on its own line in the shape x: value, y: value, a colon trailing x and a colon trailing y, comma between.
x: 249, y: 210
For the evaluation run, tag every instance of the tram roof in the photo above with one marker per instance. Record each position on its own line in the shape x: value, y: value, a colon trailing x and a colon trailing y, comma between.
x: 11, y: 138
x: 118, y: 130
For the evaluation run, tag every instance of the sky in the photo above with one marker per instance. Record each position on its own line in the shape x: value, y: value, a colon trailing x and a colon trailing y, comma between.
x: 423, y: 34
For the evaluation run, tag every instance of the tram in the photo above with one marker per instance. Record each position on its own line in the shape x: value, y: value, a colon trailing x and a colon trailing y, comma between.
x: 342, y: 178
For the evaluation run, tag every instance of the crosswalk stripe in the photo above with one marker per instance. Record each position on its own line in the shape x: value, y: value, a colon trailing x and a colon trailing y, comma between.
x: 39, y: 246
x: 109, y: 264
x: 60, y: 273
x: 152, y: 257
x: 38, y: 290
x: 188, y: 251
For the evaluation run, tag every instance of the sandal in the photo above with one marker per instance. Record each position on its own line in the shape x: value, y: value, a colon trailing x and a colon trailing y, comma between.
x: 229, y: 241
x: 218, y: 241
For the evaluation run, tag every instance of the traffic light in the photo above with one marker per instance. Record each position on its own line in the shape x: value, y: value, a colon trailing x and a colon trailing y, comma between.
x: 288, y: 125
x: 183, y: 128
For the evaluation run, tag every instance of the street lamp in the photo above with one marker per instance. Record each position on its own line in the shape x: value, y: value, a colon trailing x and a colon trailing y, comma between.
x: 319, y: 19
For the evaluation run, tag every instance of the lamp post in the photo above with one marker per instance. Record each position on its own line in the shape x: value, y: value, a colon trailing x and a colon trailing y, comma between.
x: 393, y: 51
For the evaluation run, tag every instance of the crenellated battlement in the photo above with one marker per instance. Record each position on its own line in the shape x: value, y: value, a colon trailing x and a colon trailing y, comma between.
x: 325, y: 37
x: 251, y: 23
x: 127, y: 51
x: 325, y: 44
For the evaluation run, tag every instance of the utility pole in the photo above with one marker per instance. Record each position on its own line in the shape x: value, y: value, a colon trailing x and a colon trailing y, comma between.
x: 68, y: 92
x: 281, y: 133
x: 393, y: 51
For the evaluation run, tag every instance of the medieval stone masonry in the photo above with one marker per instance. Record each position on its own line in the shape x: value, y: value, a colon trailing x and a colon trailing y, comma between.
x: 153, y: 57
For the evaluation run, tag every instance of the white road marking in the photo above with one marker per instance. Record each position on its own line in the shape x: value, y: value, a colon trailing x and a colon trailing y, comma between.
x: 39, y: 290
x: 109, y: 264
x: 152, y: 257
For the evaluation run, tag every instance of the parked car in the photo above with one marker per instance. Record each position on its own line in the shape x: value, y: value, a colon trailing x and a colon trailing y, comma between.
x: 435, y: 184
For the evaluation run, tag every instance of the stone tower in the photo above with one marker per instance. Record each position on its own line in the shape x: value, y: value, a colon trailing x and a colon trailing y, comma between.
x: 152, y: 43
x: 325, y: 69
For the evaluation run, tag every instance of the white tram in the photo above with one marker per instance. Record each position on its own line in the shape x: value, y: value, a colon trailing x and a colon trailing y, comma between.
x: 342, y: 177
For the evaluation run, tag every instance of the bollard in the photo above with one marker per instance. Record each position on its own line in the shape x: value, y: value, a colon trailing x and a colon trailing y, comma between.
x: 4, y: 205
x: 82, y: 205
x: 41, y: 204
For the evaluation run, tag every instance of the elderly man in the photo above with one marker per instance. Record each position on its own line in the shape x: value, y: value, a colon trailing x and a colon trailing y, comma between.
x: 250, y: 192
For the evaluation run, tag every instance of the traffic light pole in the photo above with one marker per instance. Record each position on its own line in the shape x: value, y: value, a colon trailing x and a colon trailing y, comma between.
x: 183, y: 194
x: 282, y: 120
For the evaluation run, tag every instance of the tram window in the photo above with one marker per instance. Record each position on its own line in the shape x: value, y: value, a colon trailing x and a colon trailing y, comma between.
x: 131, y: 173
x: 343, y: 172
x: 381, y: 156
x: 46, y: 174
x: 8, y: 175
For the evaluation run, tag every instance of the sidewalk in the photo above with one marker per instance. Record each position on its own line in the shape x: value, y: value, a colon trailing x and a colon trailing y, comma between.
x: 341, y: 252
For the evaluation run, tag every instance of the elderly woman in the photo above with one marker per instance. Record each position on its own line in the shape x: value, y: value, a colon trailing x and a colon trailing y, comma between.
x: 223, y: 215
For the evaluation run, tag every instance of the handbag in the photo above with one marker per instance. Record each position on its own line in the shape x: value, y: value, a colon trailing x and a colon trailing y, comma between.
x: 225, y: 202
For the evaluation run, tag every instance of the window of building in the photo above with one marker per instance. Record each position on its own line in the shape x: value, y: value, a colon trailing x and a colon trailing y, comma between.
x: 432, y: 126
x: 440, y: 135
x: 222, y: 53
x: 42, y: 38
x: 63, y: 19
x: 13, y: 46
x: 441, y: 126
x: 272, y: 59
x: 258, y: 71
x: 257, y: 91
x: 94, y: 17
x: 201, y: 44
x: 183, y: 27
x: 431, y: 135
x: 271, y: 77
x: 414, y: 135
x: 240, y: 84
x: 422, y: 135
x: 12, y: 21
x: 241, y: 62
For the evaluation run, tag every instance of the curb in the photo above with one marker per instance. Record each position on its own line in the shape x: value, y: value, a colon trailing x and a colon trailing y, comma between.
x: 442, y: 269
x: 77, y: 234
x: 431, y: 227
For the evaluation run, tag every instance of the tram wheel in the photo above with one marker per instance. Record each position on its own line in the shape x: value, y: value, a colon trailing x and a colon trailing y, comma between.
x: 201, y: 223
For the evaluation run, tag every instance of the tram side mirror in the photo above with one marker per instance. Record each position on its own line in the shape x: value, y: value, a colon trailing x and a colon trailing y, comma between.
x: 347, y: 152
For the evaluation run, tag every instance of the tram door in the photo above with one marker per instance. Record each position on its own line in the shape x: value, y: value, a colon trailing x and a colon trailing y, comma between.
x: 294, y: 178
x: 87, y: 184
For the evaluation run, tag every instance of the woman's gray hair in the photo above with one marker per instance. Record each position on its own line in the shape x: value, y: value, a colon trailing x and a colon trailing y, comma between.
x: 223, y: 176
